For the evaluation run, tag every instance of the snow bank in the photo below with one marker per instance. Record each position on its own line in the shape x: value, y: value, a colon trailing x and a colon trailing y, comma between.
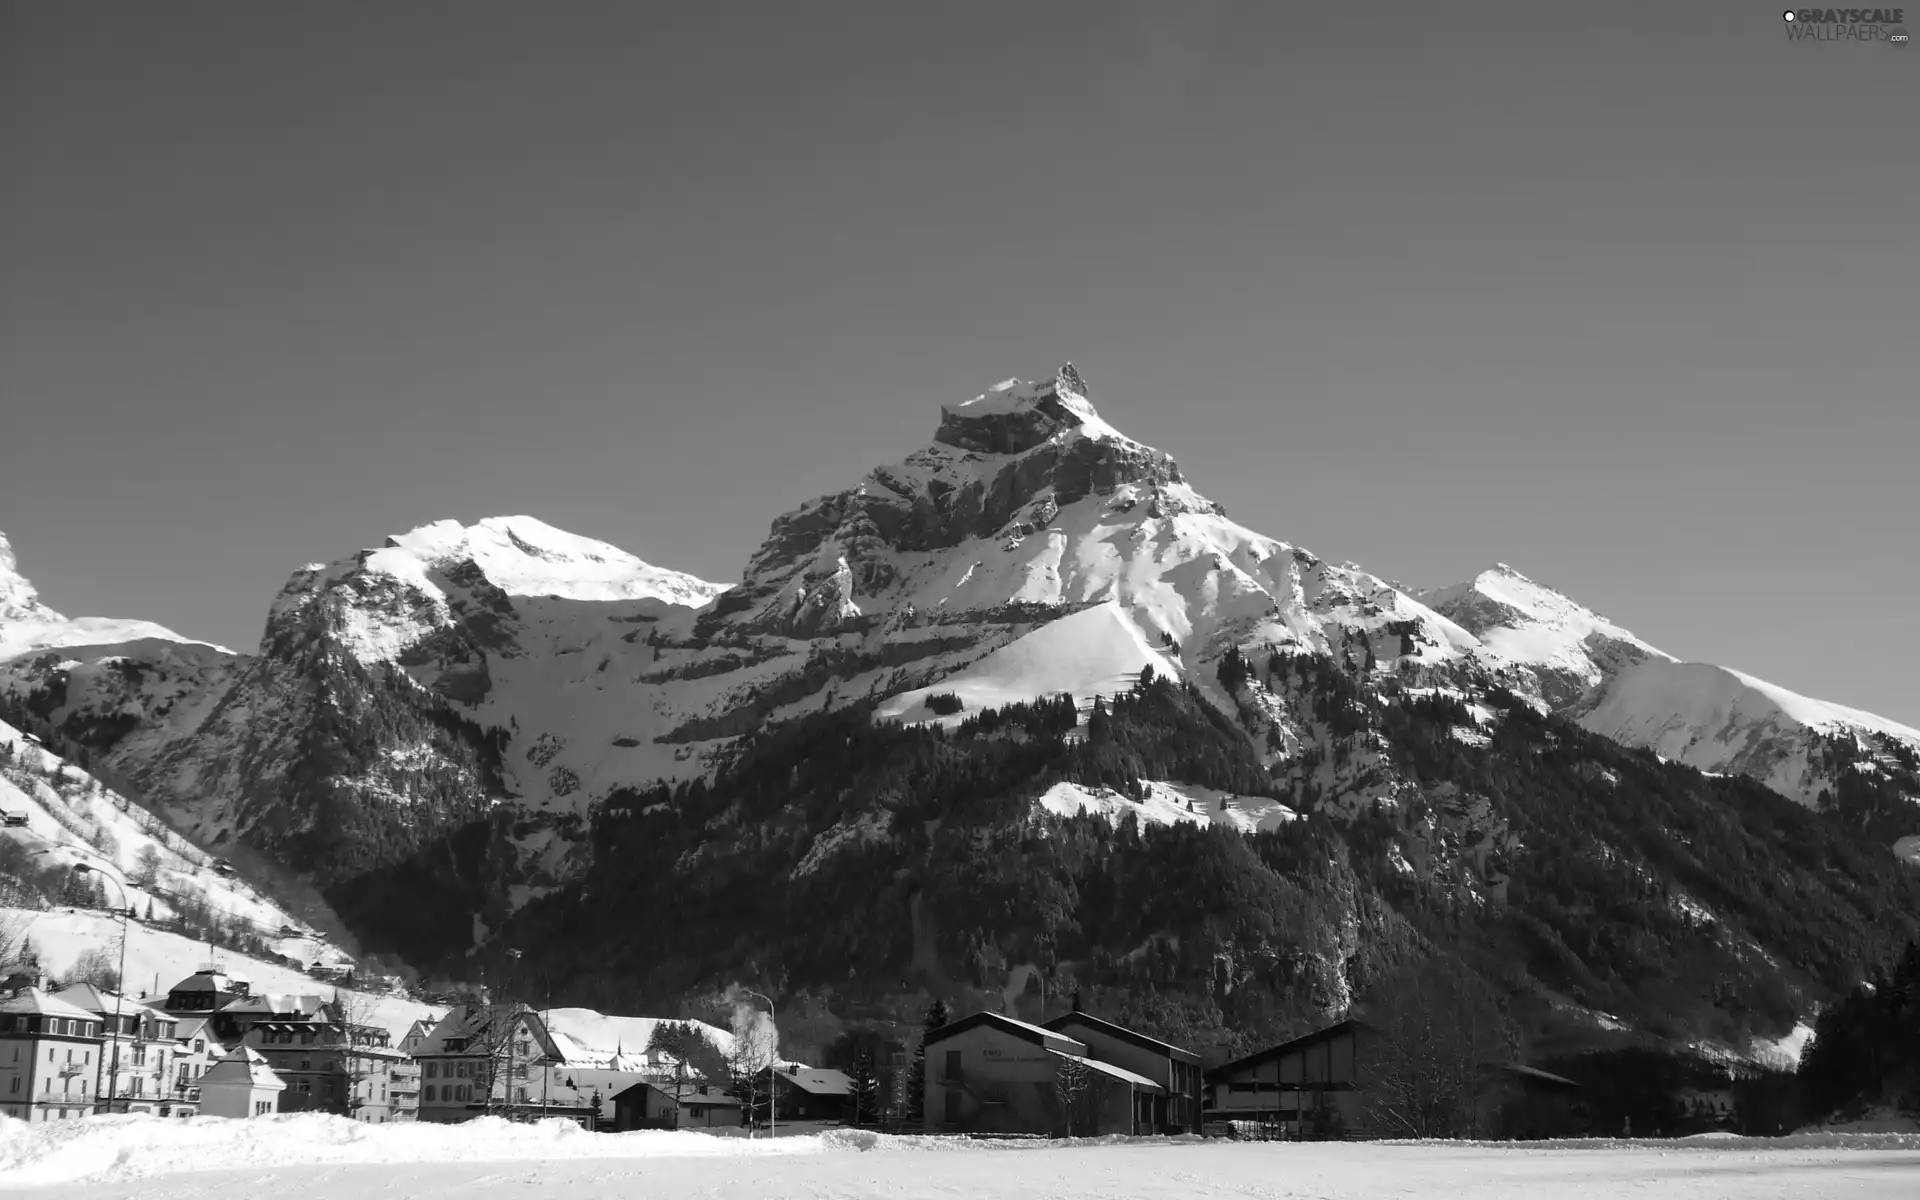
x: 104, y: 1149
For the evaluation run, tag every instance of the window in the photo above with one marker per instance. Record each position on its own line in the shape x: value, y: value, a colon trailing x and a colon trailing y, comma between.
x: 16, y: 1084
x: 953, y: 1064
x: 429, y: 1096
x: 433, y: 1069
x: 261, y: 1107
x: 199, y: 1045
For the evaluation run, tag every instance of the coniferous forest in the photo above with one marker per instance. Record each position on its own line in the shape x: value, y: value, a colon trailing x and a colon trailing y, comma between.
x: 865, y: 866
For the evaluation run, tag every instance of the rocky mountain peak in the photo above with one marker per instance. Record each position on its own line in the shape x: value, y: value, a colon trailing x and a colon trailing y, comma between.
x: 1016, y: 415
x: 17, y: 596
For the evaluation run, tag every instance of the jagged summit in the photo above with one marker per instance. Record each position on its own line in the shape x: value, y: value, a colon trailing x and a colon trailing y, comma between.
x: 17, y: 597
x: 1016, y: 415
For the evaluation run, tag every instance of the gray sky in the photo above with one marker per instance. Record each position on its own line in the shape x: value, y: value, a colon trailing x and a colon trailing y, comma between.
x: 1623, y: 294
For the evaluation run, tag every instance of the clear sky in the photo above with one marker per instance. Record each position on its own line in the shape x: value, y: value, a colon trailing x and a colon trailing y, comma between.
x: 1624, y: 295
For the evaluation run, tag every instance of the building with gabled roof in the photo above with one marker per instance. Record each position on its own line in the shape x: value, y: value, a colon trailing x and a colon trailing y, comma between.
x: 240, y: 1084
x: 1174, y: 1068
x: 511, y: 1058
x: 991, y: 1073
x: 657, y: 1106
x: 803, y: 1093
x: 137, y: 1073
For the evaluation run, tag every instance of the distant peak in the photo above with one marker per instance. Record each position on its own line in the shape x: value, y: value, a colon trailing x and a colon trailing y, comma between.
x: 16, y: 592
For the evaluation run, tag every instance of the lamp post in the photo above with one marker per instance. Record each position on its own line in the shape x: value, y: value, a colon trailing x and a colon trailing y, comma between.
x: 119, y: 1005
x: 773, y: 1069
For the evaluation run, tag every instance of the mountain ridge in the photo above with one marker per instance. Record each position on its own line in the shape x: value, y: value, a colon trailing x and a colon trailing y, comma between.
x: 453, y: 710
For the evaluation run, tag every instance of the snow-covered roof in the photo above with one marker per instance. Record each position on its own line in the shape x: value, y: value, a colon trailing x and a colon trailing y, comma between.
x: 587, y: 1037
x: 245, y: 1065
x: 279, y: 1004
x: 1111, y: 1071
x: 100, y: 1001
x: 206, y: 981
x: 36, y: 1002
x: 819, y: 1081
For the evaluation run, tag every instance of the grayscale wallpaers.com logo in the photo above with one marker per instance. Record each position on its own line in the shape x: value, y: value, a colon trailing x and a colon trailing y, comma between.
x: 1847, y: 25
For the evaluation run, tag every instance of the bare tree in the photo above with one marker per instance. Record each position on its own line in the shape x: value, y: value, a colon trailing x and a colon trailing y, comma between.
x: 13, y: 940
x: 351, y: 1014
x: 1437, y: 1031
x: 95, y: 966
x: 146, y: 867
x: 1073, y: 1088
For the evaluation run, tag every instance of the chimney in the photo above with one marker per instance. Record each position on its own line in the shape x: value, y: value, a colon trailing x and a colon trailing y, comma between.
x: 1076, y: 1001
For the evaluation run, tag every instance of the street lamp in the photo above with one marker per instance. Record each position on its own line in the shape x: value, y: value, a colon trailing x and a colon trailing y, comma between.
x: 773, y: 1070
x: 119, y: 1004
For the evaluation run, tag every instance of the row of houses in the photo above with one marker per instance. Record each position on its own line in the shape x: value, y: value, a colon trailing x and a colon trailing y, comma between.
x: 209, y: 1046
x: 212, y: 1045
x: 1080, y: 1075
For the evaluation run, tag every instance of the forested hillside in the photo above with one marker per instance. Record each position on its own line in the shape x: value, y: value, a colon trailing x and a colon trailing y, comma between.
x: 866, y: 864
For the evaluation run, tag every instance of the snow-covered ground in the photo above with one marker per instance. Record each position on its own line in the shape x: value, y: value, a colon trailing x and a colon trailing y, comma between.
x: 1169, y: 804
x: 312, y: 1156
x: 157, y: 959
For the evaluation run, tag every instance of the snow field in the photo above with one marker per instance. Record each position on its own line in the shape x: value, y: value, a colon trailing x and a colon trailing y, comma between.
x: 1166, y: 804
x: 1096, y: 651
x: 294, y: 1157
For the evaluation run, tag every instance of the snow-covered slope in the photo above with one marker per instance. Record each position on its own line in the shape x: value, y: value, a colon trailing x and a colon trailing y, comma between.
x: 1567, y: 648
x: 159, y: 958
x: 1711, y: 718
x: 1717, y: 719
x: 71, y: 818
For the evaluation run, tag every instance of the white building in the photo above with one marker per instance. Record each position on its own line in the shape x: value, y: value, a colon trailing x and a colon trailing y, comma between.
x: 240, y: 1084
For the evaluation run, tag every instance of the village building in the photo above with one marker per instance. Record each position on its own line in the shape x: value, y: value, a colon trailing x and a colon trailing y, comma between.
x: 240, y: 1084
x: 803, y: 1093
x: 657, y: 1106
x: 204, y: 991
x: 137, y: 1067
x: 49, y: 1057
x: 1312, y: 1087
x: 194, y: 1051
x: 989, y: 1073
x: 1302, y: 1087
x: 1517, y: 1101
x: 328, y: 1063
x: 1172, y: 1067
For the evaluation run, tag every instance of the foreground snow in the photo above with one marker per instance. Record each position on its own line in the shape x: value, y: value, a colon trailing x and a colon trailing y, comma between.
x: 294, y: 1157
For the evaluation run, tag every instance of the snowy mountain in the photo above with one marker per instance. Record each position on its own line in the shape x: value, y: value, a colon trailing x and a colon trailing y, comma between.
x: 26, y: 625
x: 430, y: 728
x: 1711, y: 718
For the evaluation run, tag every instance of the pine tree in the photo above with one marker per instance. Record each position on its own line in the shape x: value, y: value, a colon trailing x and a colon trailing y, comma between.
x: 917, y: 1070
x: 866, y: 1089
